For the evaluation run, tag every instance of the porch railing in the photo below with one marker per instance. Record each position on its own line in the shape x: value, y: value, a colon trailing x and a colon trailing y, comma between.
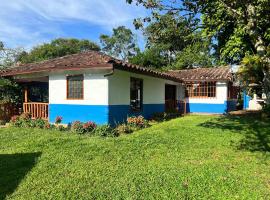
x: 37, y: 110
x: 178, y: 106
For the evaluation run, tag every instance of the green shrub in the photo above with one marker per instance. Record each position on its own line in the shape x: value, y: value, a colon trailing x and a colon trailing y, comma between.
x: 25, y: 121
x: 40, y: 123
x: 61, y: 128
x: 105, y: 131
x: 266, y: 111
x: 124, y: 129
x: 2, y: 122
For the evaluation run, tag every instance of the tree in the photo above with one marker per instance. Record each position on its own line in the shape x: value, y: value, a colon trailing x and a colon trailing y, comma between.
x: 151, y: 57
x: 57, y: 48
x: 8, y: 56
x: 240, y: 28
x: 122, y: 43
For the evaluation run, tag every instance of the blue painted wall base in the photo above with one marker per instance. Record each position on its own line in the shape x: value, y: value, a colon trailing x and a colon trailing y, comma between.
x: 207, y: 108
x: 100, y: 114
x: 119, y: 113
x: 70, y: 113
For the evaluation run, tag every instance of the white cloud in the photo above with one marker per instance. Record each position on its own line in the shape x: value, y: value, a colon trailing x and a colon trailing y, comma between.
x: 34, y: 21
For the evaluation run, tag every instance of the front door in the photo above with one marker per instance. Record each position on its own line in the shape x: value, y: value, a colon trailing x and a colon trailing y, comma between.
x: 170, y: 98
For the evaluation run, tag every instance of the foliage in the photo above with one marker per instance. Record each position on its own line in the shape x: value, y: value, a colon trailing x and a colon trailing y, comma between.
x: 238, y: 29
x: 82, y: 128
x: 170, y: 33
x: 196, y: 54
x: 58, y: 120
x: 57, y: 48
x: 137, y: 122
x: 89, y: 126
x: 251, y: 70
x: 266, y: 111
x: 8, y: 56
x: 105, y: 131
x: 10, y: 91
x: 122, y: 43
x: 25, y: 121
x: 184, y: 157
x: 151, y: 57
x: 124, y: 129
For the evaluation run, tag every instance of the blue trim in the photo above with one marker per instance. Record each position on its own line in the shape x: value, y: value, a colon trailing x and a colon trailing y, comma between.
x: 100, y: 114
x: 119, y: 113
x: 207, y: 108
x: 70, y: 112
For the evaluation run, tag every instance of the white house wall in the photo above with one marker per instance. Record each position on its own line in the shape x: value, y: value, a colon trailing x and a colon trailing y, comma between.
x: 119, y: 95
x: 95, y: 90
x: 93, y: 107
x: 119, y: 88
x: 216, y: 104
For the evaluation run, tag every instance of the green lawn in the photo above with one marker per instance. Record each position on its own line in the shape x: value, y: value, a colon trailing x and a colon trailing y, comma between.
x: 195, y: 157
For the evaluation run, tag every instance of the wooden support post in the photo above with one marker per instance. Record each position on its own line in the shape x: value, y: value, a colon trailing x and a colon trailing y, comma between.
x: 25, y: 95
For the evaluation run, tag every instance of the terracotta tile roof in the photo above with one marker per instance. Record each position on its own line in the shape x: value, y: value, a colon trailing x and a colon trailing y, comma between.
x: 83, y: 60
x: 206, y: 74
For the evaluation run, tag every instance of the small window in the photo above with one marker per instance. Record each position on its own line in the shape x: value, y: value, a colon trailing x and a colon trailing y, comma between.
x: 136, y: 94
x: 75, y: 87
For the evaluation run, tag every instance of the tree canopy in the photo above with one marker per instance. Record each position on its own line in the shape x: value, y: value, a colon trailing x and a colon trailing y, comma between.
x: 57, y: 48
x: 239, y: 30
x: 8, y: 56
x: 121, y: 44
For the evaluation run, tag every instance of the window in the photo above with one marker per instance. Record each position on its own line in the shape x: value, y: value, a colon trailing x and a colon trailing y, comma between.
x: 75, y: 87
x: 201, y: 89
x: 136, y: 94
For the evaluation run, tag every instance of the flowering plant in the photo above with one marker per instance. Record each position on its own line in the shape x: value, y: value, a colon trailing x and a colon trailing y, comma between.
x: 58, y: 119
x: 138, y: 122
x: 89, y: 126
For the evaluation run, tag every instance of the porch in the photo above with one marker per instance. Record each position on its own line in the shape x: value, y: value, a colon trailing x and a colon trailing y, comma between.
x: 35, y: 97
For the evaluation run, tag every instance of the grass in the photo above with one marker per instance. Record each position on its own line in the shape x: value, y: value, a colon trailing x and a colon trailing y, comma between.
x: 195, y: 157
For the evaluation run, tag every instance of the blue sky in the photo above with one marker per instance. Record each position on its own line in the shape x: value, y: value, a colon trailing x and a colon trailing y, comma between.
x: 25, y: 23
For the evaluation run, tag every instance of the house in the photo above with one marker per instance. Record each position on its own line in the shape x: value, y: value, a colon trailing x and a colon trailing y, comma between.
x: 92, y: 86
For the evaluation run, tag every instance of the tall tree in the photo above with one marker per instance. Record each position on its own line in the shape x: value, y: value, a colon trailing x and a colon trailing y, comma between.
x: 122, y: 43
x: 239, y: 27
x: 8, y: 56
x: 57, y: 48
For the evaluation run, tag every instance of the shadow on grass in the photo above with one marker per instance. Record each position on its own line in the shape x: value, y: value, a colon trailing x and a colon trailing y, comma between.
x: 256, y: 132
x: 13, y: 168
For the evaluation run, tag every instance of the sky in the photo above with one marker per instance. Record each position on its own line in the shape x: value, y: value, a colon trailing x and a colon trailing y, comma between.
x: 26, y: 23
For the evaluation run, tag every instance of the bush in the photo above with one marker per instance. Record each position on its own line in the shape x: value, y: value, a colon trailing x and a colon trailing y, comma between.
x: 40, y: 123
x: 89, y: 126
x: 24, y: 120
x: 82, y: 128
x: 105, y: 131
x: 77, y: 127
x: 124, y: 129
x: 137, y: 122
x: 266, y: 111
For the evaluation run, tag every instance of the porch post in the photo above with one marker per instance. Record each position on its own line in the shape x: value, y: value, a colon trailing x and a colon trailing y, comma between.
x: 26, y: 94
